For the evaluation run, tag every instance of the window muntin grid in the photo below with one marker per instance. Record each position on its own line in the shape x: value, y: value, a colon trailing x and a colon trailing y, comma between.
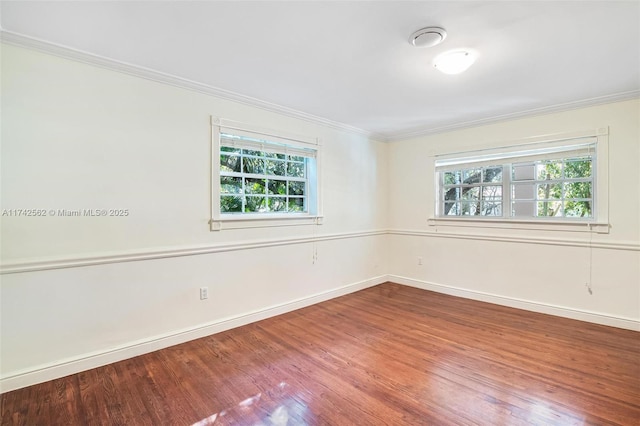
x: 560, y: 187
x: 262, y: 181
x: 472, y: 192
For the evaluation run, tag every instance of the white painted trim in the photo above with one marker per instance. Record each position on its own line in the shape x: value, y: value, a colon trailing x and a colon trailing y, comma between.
x: 567, y: 106
x: 30, y: 265
x: 607, y: 245
x: 27, y: 265
x: 221, y: 222
x: 278, y: 135
x: 514, y: 223
x: 521, y: 144
x: 50, y: 371
x: 44, y: 46
x: 19, y: 379
x: 532, y: 149
x: 313, y: 198
x: 560, y: 311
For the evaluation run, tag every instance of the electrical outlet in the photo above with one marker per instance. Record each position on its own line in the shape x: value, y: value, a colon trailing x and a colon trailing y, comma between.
x: 204, y: 293
x: 419, y: 260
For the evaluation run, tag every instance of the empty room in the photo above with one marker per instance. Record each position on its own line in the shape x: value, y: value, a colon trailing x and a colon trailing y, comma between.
x: 320, y: 213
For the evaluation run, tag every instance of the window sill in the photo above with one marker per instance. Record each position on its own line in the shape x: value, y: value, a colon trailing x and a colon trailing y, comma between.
x: 263, y: 221
x: 536, y: 225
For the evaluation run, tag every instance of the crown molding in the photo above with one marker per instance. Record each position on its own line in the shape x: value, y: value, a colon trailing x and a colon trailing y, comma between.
x: 44, y: 46
x: 567, y: 106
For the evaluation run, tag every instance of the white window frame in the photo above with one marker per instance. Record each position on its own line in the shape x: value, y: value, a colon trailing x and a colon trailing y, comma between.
x: 534, y: 147
x: 272, y: 138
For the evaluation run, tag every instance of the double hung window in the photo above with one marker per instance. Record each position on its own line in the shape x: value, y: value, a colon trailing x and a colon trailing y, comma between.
x: 262, y: 174
x: 543, y: 181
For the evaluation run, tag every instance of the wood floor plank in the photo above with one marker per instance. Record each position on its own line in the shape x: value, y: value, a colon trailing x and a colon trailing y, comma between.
x: 387, y: 355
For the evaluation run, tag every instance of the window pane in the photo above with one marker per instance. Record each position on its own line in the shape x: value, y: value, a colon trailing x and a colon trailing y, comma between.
x: 265, y: 177
x: 471, y: 193
x: 229, y: 163
x: 451, y: 209
x: 577, y: 168
x: 230, y: 185
x: 453, y: 194
x: 492, y: 208
x: 577, y: 190
x: 549, y: 208
x: 577, y: 209
x: 493, y: 174
x: 523, y: 209
x: 277, y: 204
x: 470, y: 208
x: 253, y: 165
x: 254, y: 186
x: 295, y: 169
x: 523, y: 171
x: 296, y: 204
x: 530, y: 184
x: 549, y: 170
x: 251, y: 152
x: 296, y: 188
x: 255, y: 204
x: 471, y: 176
x: 275, y: 167
x: 230, y: 204
x: 229, y: 149
x: 452, y: 178
x: 277, y: 187
x: 550, y: 191
x: 491, y: 192
x: 523, y: 191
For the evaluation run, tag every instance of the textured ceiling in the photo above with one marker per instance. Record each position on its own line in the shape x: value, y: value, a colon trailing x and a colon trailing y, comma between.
x: 351, y: 62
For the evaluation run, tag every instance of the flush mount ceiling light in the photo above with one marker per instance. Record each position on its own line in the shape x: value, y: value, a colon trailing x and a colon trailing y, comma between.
x: 428, y: 37
x: 454, y: 61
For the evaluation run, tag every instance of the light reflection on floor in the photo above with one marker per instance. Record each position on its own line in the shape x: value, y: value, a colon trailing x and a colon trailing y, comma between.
x: 496, y: 404
x: 279, y: 406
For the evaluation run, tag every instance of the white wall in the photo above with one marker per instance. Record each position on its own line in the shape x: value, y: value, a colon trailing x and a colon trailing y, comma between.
x: 81, y: 292
x: 75, y: 136
x: 543, y: 270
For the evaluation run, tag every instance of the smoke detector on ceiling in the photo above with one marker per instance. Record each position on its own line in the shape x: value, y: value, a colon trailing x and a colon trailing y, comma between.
x: 428, y: 37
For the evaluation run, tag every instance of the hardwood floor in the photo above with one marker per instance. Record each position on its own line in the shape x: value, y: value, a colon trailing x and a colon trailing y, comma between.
x: 390, y: 355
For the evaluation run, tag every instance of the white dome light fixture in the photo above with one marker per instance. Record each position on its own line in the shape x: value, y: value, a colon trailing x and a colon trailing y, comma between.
x: 428, y: 37
x: 454, y: 61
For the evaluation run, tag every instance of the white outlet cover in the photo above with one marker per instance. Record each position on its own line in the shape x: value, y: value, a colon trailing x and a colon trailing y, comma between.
x: 204, y: 293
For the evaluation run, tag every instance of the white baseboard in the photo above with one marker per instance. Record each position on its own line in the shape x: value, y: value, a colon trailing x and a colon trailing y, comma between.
x: 62, y: 368
x: 543, y: 308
